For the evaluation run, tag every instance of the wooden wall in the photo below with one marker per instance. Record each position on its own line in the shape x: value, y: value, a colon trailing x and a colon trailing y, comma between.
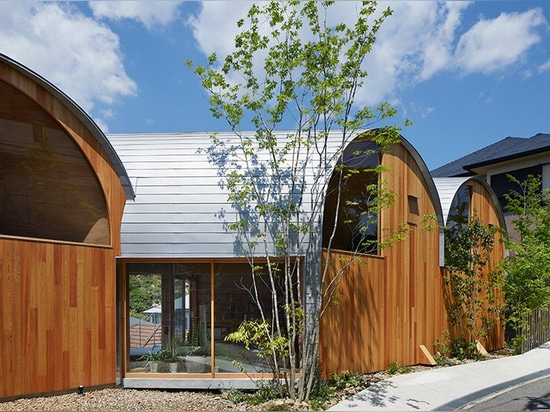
x: 58, y: 309
x: 57, y: 299
x: 483, y: 207
x: 389, y: 305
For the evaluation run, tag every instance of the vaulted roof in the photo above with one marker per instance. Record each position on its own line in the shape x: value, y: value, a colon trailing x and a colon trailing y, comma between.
x: 81, y: 115
x: 448, y: 187
x: 181, y: 207
x: 504, y: 150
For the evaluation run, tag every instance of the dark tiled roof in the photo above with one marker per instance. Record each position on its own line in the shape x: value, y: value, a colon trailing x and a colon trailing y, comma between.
x: 505, y: 149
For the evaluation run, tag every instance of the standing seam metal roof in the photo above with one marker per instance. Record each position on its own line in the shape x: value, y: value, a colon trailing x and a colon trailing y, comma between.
x: 180, y: 209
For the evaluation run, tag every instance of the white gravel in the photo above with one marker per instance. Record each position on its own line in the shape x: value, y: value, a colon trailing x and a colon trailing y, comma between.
x: 125, y: 400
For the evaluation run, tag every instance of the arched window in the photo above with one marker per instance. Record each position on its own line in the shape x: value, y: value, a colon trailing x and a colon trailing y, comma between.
x: 350, y: 221
x: 47, y: 188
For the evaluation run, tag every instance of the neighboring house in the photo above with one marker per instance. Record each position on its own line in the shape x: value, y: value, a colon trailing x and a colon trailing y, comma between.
x: 62, y: 194
x: 516, y: 156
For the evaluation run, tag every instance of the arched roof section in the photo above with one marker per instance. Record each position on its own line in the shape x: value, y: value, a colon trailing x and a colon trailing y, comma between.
x: 80, y: 115
x: 448, y: 187
x: 181, y: 207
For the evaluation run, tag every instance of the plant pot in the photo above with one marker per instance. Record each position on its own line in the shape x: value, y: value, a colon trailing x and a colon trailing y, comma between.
x: 153, y: 367
x: 173, y: 367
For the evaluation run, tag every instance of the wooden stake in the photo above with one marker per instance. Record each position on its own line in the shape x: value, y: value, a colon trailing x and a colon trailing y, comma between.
x: 481, y: 349
x: 428, y: 358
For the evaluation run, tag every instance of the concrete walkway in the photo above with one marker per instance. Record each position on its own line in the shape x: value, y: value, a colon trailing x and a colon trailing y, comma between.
x: 450, y: 388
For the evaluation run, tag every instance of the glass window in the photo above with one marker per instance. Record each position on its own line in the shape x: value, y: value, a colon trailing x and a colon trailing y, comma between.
x: 459, y: 213
x: 502, y: 185
x: 170, y: 322
x: 352, y: 189
x: 170, y: 315
x: 47, y: 187
x: 240, y: 297
x: 458, y: 219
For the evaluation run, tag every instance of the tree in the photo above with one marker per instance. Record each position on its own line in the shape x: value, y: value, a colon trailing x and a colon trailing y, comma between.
x: 527, y: 286
x: 290, y: 66
x: 474, y: 288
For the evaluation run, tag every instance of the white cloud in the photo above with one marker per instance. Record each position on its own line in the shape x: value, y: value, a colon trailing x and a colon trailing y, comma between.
x: 420, y: 40
x: 214, y: 27
x: 494, y: 45
x: 149, y: 13
x: 544, y: 67
x: 76, y: 53
x: 412, y: 45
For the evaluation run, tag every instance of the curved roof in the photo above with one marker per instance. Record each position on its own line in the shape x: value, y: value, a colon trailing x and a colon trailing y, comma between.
x: 181, y: 207
x: 82, y: 116
x: 448, y: 187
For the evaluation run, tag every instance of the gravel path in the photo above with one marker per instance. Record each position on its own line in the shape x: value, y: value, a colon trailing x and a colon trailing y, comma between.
x: 125, y: 400
x: 118, y: 399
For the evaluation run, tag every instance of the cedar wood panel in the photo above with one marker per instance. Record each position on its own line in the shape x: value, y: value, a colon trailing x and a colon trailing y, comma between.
x: 388, y: 305
x: 57, y: 299
x: 482, y: 206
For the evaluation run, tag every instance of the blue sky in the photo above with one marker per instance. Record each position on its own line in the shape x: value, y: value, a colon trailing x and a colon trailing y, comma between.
x: 467, y: 74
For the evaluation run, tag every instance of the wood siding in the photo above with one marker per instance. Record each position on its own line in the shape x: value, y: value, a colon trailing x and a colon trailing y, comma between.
x: 483, y: 207
x: 57, y: 299
x: 387, y: 306
x: 58, y: 312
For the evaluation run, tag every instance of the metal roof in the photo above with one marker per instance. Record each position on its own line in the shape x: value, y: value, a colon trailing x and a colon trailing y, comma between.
x: 503, y: 150
x: 81, y: 115
x: 180, y: 209
x: 448, y: 187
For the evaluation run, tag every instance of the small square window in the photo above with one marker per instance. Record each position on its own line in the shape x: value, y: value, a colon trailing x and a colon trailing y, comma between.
x: 414, y: 212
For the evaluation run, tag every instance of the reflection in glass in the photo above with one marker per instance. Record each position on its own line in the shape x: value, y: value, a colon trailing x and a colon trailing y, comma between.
x: 170, y: 317
x: 47, y: 188
x: 239, y: 298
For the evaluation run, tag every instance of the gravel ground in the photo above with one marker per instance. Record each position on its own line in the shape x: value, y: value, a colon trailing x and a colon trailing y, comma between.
x: 118, y: 399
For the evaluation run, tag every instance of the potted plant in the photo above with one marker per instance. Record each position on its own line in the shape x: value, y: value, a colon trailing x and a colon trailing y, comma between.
x: 171, y: 356
x: 152, y: 359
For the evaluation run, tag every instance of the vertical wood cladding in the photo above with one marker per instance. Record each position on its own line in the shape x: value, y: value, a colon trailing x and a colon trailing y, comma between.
x: 388, y: 305
x: 57, y: 322
x: 57, y: 299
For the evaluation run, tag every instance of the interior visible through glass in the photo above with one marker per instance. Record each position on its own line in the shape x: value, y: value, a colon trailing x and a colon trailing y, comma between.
x: 172, y: 328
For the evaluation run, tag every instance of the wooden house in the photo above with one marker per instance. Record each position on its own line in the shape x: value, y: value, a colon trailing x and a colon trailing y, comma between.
x: 390, y: 302
x: 391, y: 307
x: 62, y: 194
x: 91, y: 243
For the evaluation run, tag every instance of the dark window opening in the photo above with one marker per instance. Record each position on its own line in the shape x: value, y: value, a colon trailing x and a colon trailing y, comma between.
x: 47, y: 188
x: 351, y: 218
x: 502, y: 185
